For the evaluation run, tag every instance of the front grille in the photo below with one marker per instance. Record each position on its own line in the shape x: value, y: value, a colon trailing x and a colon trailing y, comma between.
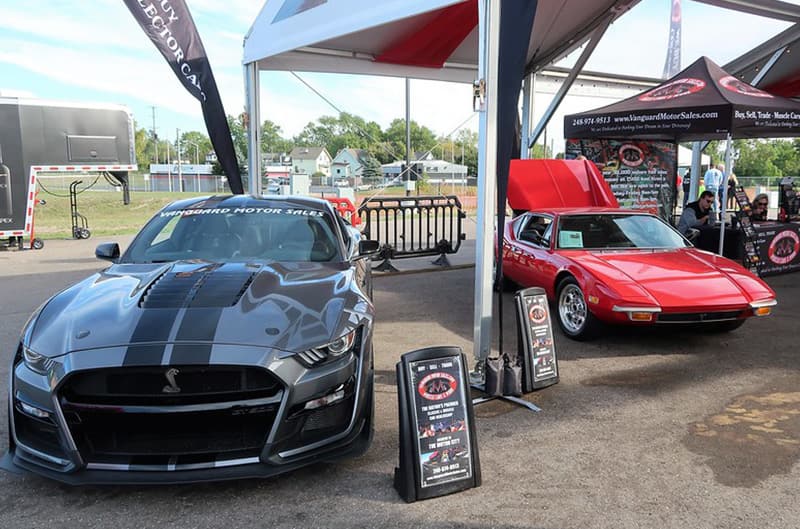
x: 99, y: 434
x: 699, y: 317
x: 221, y: 412
x: 152, y: 386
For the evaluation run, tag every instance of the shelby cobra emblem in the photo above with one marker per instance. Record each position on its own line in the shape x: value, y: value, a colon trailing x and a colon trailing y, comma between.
x: 172, y: 387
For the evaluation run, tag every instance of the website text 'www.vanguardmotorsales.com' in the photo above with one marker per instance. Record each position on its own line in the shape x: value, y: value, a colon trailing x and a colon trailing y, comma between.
x: 665, y: 116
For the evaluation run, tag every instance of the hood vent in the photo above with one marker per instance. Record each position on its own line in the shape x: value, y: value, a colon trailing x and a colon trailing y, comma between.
x: 197, y: 289
x: 221, y: 289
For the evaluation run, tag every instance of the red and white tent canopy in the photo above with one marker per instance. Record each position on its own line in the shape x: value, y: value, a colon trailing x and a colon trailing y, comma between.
x: 421, y: 39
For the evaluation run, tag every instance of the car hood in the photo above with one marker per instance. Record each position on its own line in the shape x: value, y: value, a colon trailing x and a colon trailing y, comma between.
x: 677, y: 279
x: 288, y: 306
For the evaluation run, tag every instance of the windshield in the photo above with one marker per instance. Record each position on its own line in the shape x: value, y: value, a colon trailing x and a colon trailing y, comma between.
x: 236, y: 234
x: 617, y: 230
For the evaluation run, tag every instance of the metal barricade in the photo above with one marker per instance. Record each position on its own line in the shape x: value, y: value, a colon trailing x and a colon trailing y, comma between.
x: 413, y: 226
x: 346, y: 209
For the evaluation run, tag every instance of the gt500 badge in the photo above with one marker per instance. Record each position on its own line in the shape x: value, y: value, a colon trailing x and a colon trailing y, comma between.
x: 437, y: 386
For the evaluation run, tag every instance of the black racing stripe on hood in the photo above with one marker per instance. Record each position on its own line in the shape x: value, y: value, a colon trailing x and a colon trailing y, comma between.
x: 198, y: 325
x: 153, y: 326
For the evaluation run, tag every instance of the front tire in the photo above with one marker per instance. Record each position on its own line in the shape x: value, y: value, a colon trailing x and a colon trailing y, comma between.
x: 574, y: 316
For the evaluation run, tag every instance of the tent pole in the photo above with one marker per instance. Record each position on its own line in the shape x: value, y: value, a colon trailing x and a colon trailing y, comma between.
x: 694, y: 182
x: 597, y: 34
x: 252, y: 101
x: 528, y: 90
x: 407, y: 176
x: 724, y: 198
x: 489, y: 43
x: 768, y: 66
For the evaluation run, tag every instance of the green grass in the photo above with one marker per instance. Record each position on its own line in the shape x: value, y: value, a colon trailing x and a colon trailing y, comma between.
x: 107, y: 216
x: 104, y: 211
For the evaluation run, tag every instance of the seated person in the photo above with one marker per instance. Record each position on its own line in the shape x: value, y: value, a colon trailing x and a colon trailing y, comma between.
x: 695, y: 215
x: 760, y: 207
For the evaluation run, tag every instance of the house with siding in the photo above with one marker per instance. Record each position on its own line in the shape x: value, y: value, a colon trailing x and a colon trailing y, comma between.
x: 349, y: 163
x: 310, y: 160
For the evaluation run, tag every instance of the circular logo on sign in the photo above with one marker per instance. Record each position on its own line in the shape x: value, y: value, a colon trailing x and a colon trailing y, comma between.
x: 677, y: 88
x: 784, y: 247
x: 740, y: 87
x: 631, y: 155
x: 537, y: 313
x: 437, y: 386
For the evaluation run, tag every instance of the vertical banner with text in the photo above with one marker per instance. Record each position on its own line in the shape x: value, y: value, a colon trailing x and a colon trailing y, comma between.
x: 171, y: 28
x: 673, y: 63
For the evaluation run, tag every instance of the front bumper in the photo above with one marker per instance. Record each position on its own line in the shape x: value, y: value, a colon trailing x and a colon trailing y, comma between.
x: 64, y: 435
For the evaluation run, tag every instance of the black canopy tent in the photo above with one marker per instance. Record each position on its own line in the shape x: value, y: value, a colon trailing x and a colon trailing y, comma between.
x: 702, y: 102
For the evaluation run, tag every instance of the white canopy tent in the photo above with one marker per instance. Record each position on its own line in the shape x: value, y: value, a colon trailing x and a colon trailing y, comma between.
x: 361, y: 37
x: 685, y: 157
x: 419, y: 39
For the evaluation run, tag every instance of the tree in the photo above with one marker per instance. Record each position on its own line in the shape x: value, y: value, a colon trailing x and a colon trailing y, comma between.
x: 272, y: 140
x: 785, y: 157
x: 755, y: 158
x: 540, y: 151
x: 188, y: 141
x: 140, y: 141
x: 422, y: 138
x: 337, y: 133
x: 467, y: 141
x: 371, y: 168
x: 239, y: 137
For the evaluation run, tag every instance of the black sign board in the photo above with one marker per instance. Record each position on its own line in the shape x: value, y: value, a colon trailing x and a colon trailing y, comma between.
x: 438, y: 450
x: 778, y: 246
x: 535, y: 335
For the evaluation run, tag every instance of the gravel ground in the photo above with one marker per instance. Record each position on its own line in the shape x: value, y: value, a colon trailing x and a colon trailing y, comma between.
x: 646, y: 429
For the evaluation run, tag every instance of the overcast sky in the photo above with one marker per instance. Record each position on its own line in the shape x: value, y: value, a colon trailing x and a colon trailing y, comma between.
x: 95, y: 52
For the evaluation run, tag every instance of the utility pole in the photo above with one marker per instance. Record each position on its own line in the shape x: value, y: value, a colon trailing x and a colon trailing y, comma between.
x: 155, y: 136
x: 180, y: 170
x: 169, y: 169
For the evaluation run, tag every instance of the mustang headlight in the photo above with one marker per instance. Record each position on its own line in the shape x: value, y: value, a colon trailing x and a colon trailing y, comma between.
x: 341, y: 345
x: 331, y: 351
x: 36, y: 362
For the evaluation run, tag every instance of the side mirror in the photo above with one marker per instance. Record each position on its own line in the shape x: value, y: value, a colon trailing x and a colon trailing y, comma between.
x: 367, y: 248
x: 108, y: 251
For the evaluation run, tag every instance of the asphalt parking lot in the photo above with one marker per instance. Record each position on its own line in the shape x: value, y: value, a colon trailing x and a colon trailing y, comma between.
x: 645, y: 429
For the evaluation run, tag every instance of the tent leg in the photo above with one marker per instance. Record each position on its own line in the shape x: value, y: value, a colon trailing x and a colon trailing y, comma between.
x: 514, y: 400
x: 724, y: 198
x: 253, y: 103
x: 528, y: 92
x: 489, y: 44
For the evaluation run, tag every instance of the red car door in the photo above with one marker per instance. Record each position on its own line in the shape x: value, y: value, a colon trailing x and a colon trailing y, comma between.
x: 529, y: 251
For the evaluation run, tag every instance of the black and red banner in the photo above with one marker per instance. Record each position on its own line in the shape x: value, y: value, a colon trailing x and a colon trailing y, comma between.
x: 171, y: 28
x: 673, y: 63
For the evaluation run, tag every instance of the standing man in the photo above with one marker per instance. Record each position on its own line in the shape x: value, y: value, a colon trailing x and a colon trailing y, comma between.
x: 714, y: 182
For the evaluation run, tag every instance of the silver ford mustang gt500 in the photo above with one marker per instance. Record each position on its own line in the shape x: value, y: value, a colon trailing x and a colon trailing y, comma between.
x: 232, y: 339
